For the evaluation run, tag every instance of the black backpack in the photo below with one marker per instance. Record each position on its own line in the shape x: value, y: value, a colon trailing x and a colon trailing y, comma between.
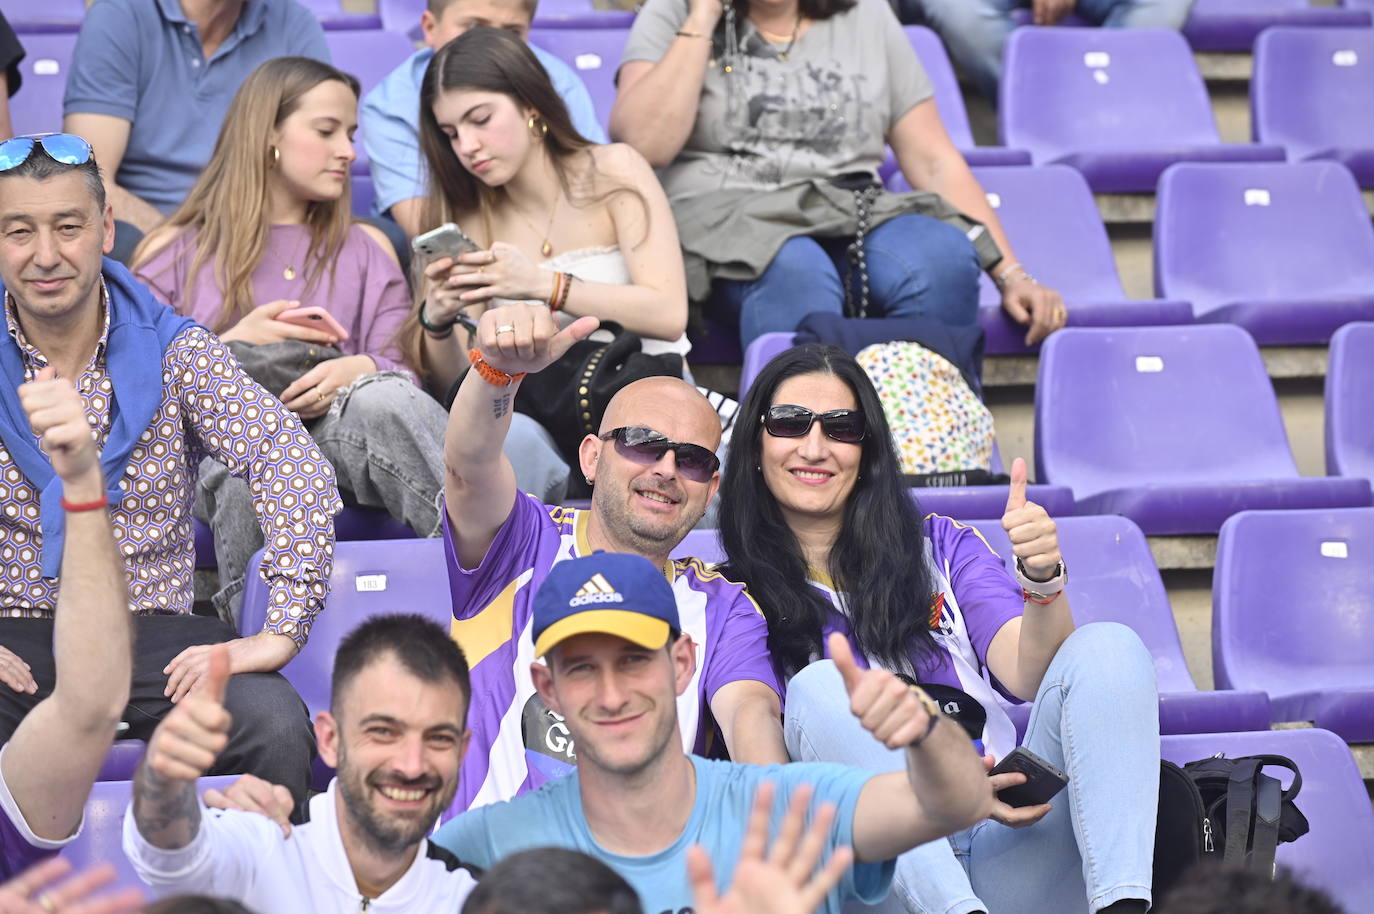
x: 1224, y: 810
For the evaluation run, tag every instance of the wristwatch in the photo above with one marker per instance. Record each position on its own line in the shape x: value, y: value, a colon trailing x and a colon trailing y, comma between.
x: 1042, y: 590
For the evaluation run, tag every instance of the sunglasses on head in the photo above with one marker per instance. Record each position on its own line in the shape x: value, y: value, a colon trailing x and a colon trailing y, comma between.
x: 646, y: 446
x: 787, y: 421
x: 60, y: 147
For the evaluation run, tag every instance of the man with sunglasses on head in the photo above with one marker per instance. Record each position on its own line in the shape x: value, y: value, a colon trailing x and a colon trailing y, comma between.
x: 159, y: 393
x: 653, y: 471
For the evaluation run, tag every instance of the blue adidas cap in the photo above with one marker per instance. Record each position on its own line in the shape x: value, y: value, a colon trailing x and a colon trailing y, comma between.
x: 607, y: 593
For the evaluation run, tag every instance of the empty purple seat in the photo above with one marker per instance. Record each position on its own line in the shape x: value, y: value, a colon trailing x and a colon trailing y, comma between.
x: 1177, y: 428
x: 1358, y: 4
x: 364, y: 193
x: 1231, y: 25
x: 1049, y: 214
x: 1337, y: 854
x: 30, y: 16
x: 102, y: 831
x: 122, y: 761
x: 369, y: 55
x: 402, y: 17
x: 1349, y: 380
x: 1114, y: 579
x: 1292, y: 613
x: 963, y: 502
x: 581, y: 14
x: 1285, y: 251
x: 950, y: 101
x: 333, y: 17
x: 1313, y: 93
x: 37, y: 108
x: 1119, y: 105
x: 594, y: 53
x: 701, y: 544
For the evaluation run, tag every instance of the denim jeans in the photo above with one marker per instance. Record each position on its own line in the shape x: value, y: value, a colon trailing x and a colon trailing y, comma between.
x: 385, y: 439
x: 975, y: 31
x: 1096, y: 719
x: 917, y: 267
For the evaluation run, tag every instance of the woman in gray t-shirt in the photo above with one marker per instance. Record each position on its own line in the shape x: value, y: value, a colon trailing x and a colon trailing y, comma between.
x: 750, y: 111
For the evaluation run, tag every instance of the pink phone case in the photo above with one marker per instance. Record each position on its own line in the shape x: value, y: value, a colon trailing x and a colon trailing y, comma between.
x: 316, y: 318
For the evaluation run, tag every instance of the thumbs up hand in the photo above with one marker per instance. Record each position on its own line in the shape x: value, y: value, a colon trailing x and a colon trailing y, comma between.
x: 887, y: 707
x: 190, y: 738
x: 1034, y: 537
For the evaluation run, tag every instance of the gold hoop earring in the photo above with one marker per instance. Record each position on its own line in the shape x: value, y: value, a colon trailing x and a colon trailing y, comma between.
x: 538, y: 129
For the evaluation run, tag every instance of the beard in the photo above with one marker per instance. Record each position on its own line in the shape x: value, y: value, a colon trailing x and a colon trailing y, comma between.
x: 643, y: 535
x: 390, y: 834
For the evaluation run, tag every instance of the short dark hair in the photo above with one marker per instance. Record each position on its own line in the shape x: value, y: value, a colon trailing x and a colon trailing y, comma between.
x: 196, y: 904
x: 437, y: 7
x: 552, y: 880
x: 1211, y: 889
x: 419, y: 644
x: 40, y: 166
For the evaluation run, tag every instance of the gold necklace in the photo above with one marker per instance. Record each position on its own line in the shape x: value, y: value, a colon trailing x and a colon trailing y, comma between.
x: 775, y: 38
x: 545, y: 249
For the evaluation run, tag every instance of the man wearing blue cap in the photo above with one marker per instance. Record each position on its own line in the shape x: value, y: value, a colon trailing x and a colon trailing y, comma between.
x: 616, y: 663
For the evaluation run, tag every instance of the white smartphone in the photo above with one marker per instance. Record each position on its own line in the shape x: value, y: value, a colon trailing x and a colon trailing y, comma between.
x: 448, y: 240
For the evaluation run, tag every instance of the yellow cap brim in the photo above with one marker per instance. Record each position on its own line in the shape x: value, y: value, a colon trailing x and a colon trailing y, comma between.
x: 637, y: 628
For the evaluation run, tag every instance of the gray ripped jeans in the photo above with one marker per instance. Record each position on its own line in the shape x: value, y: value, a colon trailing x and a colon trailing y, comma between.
x: 385, y: 438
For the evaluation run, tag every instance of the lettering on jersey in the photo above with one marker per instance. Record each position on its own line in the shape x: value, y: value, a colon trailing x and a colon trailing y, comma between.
x: 544, y: 731
x: 597, y: 590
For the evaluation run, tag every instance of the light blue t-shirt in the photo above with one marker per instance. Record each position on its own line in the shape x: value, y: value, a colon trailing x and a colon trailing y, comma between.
x: 390, y: 124
x: 552, y: 817
x: 141, y: 60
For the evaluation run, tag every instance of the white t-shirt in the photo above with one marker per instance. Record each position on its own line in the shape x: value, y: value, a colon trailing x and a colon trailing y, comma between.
x: 243, y: 856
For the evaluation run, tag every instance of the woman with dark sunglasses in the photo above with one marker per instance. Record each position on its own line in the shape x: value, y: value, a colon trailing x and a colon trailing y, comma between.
x: 817, y: 520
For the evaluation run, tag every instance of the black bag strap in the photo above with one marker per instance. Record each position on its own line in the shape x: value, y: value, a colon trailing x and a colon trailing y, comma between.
x: 1240, y: 798
x: 1268, y: 809
x: 1283, y: 761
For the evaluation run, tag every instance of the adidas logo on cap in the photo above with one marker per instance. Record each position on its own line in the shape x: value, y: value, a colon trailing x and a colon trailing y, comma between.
x: 596, y: 590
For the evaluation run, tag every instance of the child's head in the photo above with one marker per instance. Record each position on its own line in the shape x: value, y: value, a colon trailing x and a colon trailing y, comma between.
x: 445, y: 20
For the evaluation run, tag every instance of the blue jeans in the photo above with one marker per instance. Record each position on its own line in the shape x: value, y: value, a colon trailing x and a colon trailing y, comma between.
x: 1096, y: 719
x: 917, y: 267
x: 974, y: 31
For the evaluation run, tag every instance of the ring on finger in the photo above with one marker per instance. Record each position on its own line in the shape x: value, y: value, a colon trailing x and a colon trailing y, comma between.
x: 505, y: 328
x: 44, y: 902
x: 321, y: 397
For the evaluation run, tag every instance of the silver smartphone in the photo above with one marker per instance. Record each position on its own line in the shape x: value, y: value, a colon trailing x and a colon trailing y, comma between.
x: 448, y: 240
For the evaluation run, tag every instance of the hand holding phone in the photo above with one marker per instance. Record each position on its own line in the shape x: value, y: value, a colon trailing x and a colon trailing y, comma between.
x: 316, y: 318
x: 448, y: 240
x: 1043, y: 780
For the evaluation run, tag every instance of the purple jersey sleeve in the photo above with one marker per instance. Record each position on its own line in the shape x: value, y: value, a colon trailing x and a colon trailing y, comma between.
x: 20, y: 848
x: 987, y: 595
x: 515, y: 550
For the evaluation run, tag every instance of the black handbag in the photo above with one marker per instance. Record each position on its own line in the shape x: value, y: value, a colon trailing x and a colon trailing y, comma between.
x: 569, y: 397
x: 1225, y: 810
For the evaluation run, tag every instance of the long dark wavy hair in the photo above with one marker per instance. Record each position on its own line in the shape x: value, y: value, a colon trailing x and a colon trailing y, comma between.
x: 877, y: 561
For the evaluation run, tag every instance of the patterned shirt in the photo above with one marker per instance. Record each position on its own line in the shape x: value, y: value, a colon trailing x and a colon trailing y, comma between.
x: 209, y: 408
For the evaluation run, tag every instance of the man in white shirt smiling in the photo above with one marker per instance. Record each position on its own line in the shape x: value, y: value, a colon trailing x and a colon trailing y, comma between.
x: 396, y: 734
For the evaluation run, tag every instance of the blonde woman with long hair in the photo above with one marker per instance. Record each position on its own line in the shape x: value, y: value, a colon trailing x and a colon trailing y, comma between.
x: 268, y: 229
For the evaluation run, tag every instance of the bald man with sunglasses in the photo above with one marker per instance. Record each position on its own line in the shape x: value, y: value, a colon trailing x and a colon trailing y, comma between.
x: 653, y: 471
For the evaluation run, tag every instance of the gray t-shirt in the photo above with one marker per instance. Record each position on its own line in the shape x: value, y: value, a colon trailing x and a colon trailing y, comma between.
x: 768, y: 123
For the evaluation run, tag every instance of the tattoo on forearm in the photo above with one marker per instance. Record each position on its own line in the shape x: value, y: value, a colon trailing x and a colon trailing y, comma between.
x: 500, y: 406
x: 166, y: 811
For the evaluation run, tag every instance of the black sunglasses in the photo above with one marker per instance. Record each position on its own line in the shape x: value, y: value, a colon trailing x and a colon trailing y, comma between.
x: 646, y: 446
x: 787, y: 421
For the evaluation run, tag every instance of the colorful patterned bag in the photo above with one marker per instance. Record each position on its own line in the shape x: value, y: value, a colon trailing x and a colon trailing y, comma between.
x: 941, y: 429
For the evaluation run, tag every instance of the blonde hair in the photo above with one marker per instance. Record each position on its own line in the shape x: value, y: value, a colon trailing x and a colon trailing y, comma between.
x: 228, y: 206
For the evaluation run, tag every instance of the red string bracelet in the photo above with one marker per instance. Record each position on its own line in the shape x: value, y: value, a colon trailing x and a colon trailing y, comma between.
x: 79, y: 506
x: 1026, y: 595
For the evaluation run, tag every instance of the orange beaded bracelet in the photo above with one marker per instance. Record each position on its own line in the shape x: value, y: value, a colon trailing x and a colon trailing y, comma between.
x: 493, y: 376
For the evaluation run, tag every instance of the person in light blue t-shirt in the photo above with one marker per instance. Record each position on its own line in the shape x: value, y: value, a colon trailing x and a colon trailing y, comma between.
x: 390, y: 115
x: 607, y: 626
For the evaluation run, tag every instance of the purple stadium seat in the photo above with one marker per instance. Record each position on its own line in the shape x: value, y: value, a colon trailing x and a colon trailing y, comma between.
x: 402, y: 16
x: 963, y: 502
x: 594, y: 53
x: 1120, y: 105
x: 1313, y: 93
x: 1114, y: 579
x: 122, y: 761
x: 102, y: 831
x: 1358, y: 4
x: 1049, y: 214
x: 333, y: 17
x: 352, y: 523
x: 1177, y: 428
x: 37, y: 108
x: 369, y: 55
x: 1349, y: 380
x: 716, y: 344
x: 364, y: 194
x: 1292, y: 613
x: 950, y: 101
x: 1337, y: 854
x: 1231, y: 25
x: 30, y: 16
x: 581, y: 14
x: 1285, y: 251
x: 701, y: 544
